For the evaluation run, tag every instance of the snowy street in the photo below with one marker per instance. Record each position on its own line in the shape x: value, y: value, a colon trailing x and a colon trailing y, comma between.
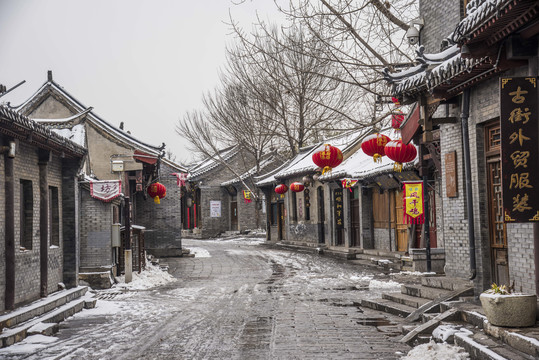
x: 236, y: 299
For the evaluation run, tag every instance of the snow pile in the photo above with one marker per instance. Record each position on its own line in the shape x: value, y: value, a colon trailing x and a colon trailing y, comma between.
x: 413, y: 273
x: 390, y: 285
x: 444, y: 332
x: 151, y: 277
x: 437, y: 351
x: 199, y: 252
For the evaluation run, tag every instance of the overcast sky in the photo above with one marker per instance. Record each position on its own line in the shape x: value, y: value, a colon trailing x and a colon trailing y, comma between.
x: 141, y: 62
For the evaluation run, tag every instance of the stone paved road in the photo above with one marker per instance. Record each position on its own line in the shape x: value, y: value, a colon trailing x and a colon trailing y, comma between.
x: 243, y: 301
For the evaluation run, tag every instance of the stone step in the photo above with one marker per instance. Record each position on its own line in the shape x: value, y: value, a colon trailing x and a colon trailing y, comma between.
x: 524, y: 340
x: 388, y: 306
x: 381, y: 261
x: 383, y: 253
x: 447, y: 283
x: 483, y: 347
x: 404, y: 299
x: 427, y: 292
x: 41, y: 307
x: 18, y: 333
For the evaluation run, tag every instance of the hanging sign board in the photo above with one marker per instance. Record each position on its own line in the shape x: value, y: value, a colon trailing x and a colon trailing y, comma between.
x: 339, y: 218
x: 413, y: 202
x: 520, y: 155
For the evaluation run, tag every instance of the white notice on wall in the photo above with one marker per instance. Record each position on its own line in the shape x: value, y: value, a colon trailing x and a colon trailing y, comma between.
x: 215, y: 208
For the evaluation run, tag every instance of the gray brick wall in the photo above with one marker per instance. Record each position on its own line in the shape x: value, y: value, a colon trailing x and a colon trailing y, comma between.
x: 484, y: 108
x: 95, y: 232
x: 162, y: 222
x: 441, y: 18
x: 27, y: 268
x: 2, y: 232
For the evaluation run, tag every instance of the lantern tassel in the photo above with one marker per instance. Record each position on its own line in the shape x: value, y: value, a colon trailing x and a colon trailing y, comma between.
x: 377, y: 158
x: 325, y: 170
x: 397, y: 166
x: 156, y: 200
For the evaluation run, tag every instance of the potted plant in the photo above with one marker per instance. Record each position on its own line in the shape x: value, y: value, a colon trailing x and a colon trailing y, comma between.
x: 503, y: 307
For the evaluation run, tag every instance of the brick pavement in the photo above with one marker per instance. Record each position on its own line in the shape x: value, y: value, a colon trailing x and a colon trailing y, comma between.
x: 243, y: 302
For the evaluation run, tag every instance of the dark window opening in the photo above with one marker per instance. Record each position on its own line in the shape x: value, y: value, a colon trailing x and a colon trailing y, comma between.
x: 54, y: 216
x: 274, y: 214
x: 27, y: 214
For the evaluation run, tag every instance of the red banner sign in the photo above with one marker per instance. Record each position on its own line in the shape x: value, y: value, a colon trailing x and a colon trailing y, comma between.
x: 413, y: 202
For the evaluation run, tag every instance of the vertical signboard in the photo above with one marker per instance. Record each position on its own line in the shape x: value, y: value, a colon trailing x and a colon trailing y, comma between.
x: 339, y: 218
x: 520, y: 155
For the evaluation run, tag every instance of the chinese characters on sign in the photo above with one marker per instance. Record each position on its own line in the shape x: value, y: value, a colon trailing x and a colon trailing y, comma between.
x: 247, y: 196
x: 215, y: 208
x: 106, y: 190
x: 413, y: 202
x: 519, y: 131
x: 339, y: 216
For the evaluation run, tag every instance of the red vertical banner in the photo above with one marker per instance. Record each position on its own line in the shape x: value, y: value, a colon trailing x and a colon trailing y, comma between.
x: 413, y: 202
x: 520, y: 152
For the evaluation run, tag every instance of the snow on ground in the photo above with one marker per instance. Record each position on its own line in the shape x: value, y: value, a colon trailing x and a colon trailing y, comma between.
x: 386, y: 285
x: 151, y: 277
x: 30, y: 344
x: 199, y: 252
x: 436, y: 351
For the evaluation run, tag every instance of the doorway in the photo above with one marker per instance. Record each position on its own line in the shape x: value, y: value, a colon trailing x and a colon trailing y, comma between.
x: 233, y: 215
x: 354, y: 217
x: 281, y: 220
x: 321, y: 215
x: 497, y: 229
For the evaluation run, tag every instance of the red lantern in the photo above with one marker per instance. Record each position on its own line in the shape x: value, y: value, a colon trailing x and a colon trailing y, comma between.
x: 327, y: 157
x: 396, y: 119
x: 373, y: 145
x: 157, y: 191
x: 297, y: 187
x: 400, y: 153
x: 281, y: 189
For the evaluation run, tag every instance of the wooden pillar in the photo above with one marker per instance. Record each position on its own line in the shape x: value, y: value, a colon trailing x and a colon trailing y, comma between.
x: 44, y: 158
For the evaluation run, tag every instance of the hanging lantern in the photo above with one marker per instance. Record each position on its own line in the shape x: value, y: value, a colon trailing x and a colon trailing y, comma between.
x: 396, y: 119
x: 373, y: 145
x: 327, y: 157
x: 157, y: 191
x: 281, y: 189
x: 395, y: 101
x: 400, y: 153
x: 297, y: 187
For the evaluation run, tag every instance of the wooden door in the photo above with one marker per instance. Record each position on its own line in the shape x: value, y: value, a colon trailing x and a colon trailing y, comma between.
x: 354, y: 218
x: 281, y: 220
x: 497, y: 229
x: 402, y: 229
x: 233, y: 215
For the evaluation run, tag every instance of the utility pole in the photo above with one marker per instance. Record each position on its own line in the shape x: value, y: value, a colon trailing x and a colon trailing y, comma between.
x: 128, y: 256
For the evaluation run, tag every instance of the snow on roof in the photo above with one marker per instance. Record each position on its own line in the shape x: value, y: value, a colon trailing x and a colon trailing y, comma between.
x: 477, y: 13
x: 302, y: 163
x: 94, y: 118
x: 305, y: 164
x: 359, y: 165
x: 211, y: 163
x: 251, y: 172
x: 77, y: 134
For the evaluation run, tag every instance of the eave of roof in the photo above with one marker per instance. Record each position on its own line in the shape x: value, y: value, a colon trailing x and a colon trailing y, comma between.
x: 20, y: 127
x: 93, y: 117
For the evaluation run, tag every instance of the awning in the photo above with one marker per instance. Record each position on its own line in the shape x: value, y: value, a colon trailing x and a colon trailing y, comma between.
x: 146, y: 158
x: 411, y: 125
